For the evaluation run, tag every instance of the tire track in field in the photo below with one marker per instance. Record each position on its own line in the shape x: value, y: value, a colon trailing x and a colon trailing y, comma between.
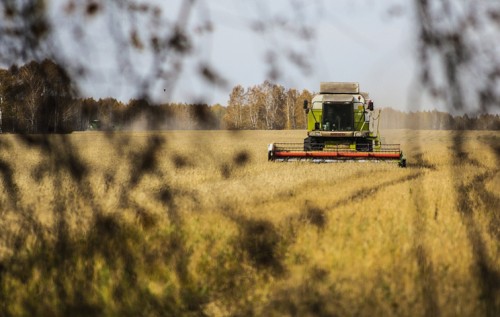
x: 490, y: 201
x: 486, y: 274
x: 366, y: 192
x: 425, y: 266
x: 428, y: 281
x: 290, y: 192
x: 356, y: 196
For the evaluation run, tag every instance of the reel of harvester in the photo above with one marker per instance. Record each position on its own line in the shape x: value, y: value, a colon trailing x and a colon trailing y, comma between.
x: 293, y: 152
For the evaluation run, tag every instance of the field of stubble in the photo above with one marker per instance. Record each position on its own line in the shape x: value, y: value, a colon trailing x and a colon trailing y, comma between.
x: 198, y: 223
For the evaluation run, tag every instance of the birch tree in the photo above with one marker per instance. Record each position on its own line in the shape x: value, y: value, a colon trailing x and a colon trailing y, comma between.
x: 256, y: 99
x: 34, y: 89
x: 234, y: 115
x: 292, y: 95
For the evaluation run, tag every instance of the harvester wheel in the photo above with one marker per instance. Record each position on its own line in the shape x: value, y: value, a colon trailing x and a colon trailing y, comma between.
x: 307, y: 144
x: 364, y: 147
x: 311, y: 144
x: 402, y: 162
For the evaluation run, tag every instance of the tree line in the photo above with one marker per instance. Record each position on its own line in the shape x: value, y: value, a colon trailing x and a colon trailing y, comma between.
x: 267, y: 106
x: 36, y: 98
x: 40, y: 98
x: 437, y: 120
x: 270, y: 106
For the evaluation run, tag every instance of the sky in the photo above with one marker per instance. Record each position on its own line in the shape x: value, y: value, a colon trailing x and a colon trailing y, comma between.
x: 365, y: 41
x: 360, y: 41
x: 353, y: 41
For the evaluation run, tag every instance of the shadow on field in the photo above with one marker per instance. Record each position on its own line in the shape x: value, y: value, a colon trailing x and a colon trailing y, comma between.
x: 83, y: 257
x: 260, y: 243
x: 56, y: 269
x: 418, y: 161
x: 239, y: 160
x: 107, y: 264
x: 314, y: 215
x: 487, y: 274
x: 449, y: 81
x: 90, y: 260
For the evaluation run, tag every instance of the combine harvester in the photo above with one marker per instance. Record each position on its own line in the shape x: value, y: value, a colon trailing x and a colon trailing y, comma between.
x: 341, y: 126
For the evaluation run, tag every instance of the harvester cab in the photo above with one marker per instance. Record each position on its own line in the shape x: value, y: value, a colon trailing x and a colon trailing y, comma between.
x: 342, y: 125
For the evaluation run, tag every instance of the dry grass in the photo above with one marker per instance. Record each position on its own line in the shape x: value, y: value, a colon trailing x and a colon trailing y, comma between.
x: 199, y: 223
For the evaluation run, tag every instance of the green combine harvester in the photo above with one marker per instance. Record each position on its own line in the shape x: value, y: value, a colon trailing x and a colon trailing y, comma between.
x: 341, y: 126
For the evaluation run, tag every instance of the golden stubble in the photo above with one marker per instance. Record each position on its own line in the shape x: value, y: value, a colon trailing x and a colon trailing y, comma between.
x: 351, y: 238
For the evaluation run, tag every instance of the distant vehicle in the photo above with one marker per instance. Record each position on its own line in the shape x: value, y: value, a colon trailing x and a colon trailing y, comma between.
x: 95, y: 125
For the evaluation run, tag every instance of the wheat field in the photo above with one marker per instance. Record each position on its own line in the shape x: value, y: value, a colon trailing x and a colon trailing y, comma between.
x: 199, y: 223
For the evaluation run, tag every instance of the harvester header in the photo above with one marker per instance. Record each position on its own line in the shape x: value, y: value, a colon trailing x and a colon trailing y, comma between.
x: 342, y: 125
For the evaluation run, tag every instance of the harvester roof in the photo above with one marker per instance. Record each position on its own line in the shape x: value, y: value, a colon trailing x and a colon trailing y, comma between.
x: 338, y: 88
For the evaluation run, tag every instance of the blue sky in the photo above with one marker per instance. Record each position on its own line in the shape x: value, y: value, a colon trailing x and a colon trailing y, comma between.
x: 367, y: 41
x: 353, y: 41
